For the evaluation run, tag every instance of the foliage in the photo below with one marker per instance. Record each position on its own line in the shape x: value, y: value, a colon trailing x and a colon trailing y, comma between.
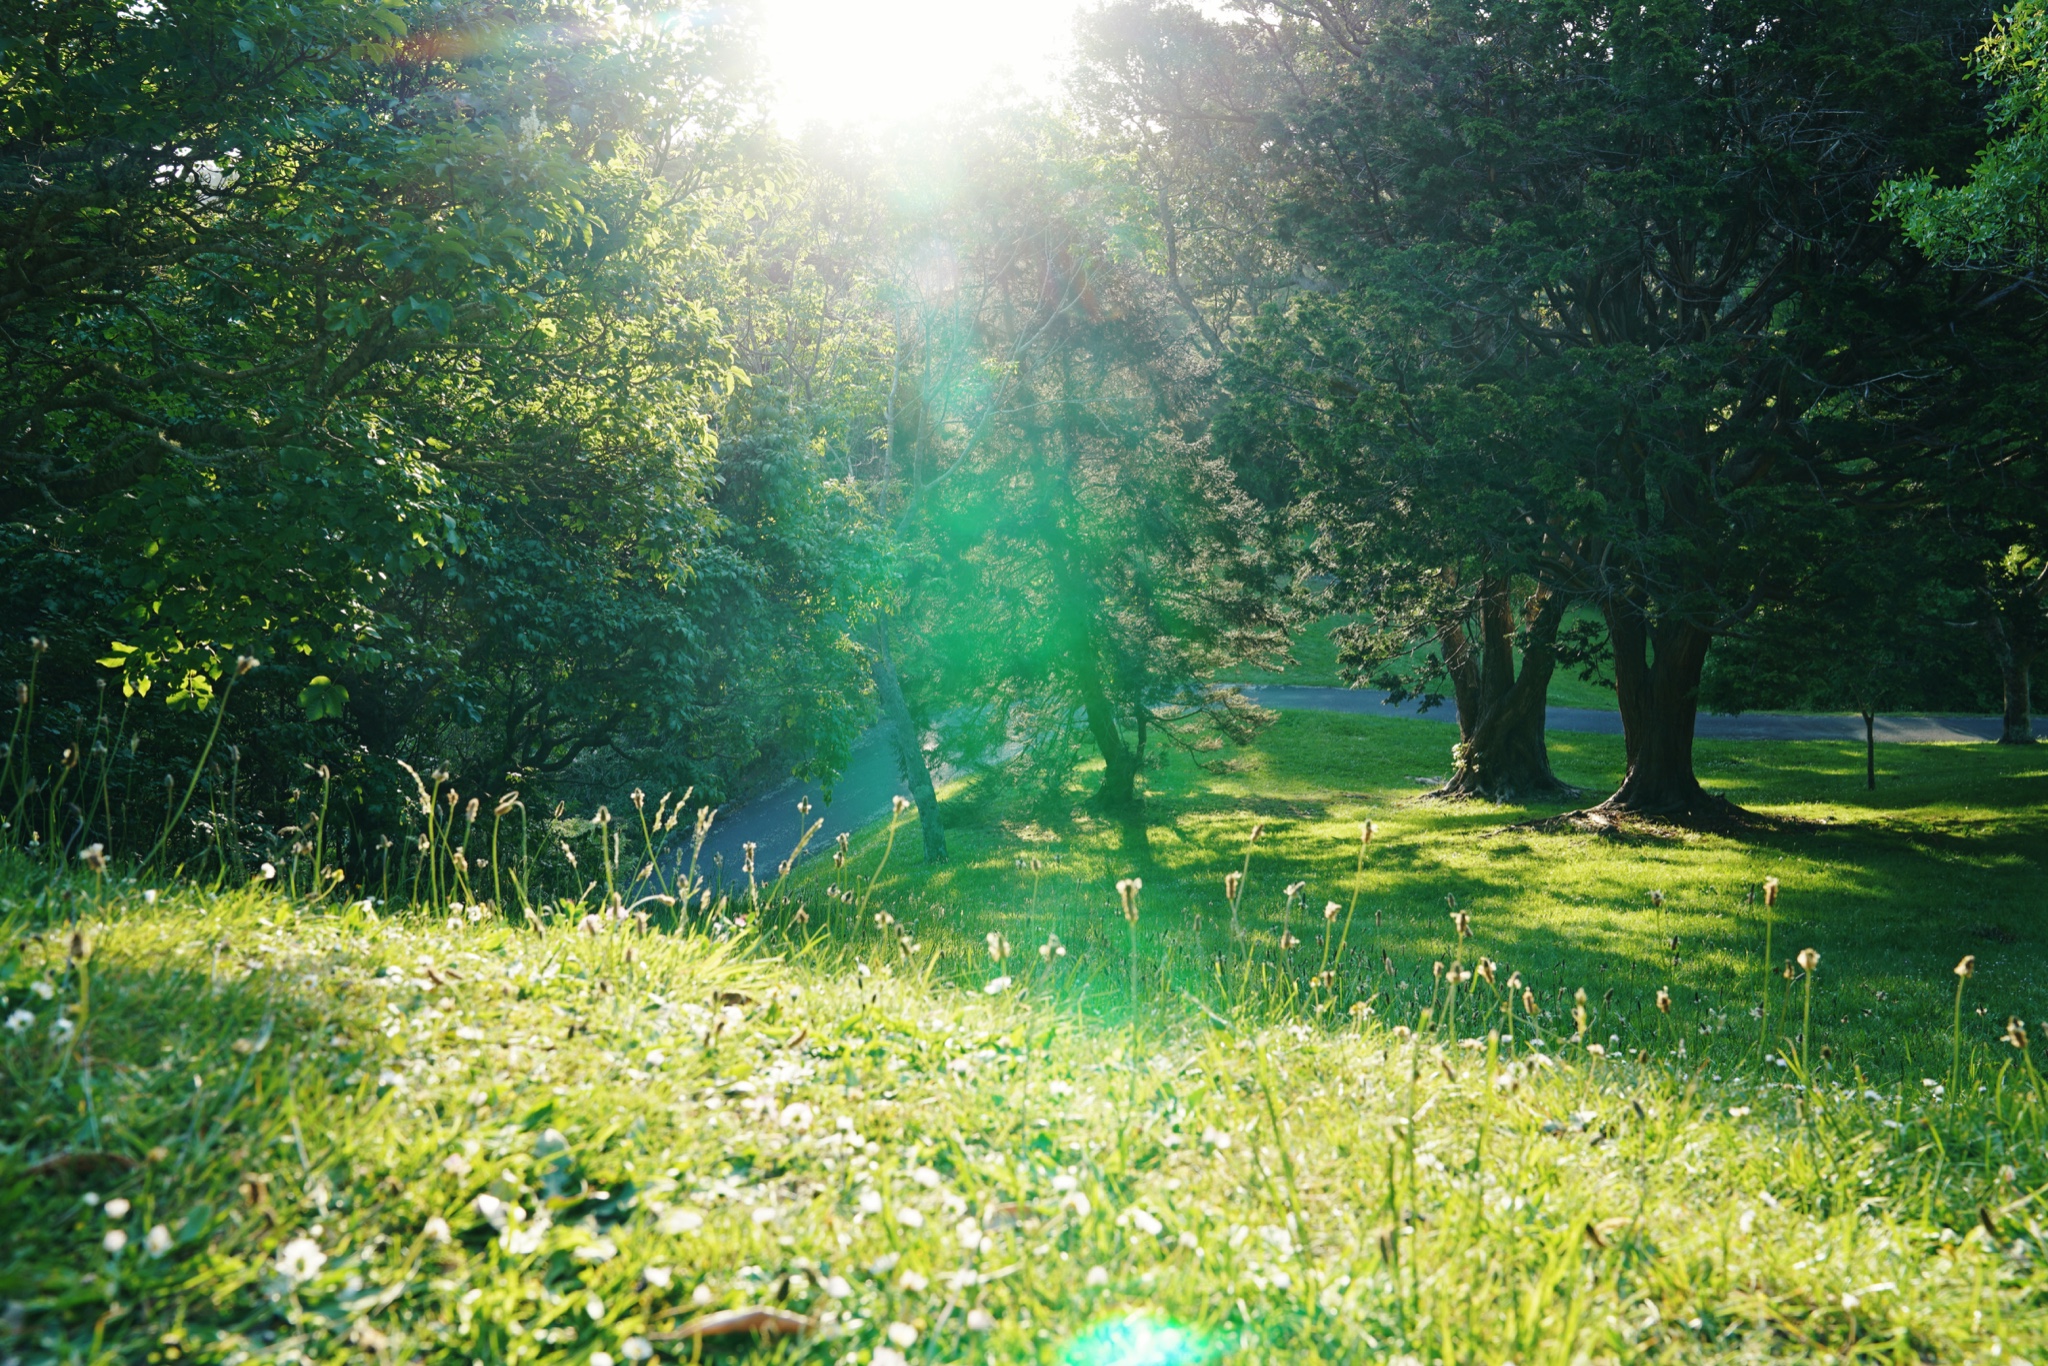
x: 1998, y: 216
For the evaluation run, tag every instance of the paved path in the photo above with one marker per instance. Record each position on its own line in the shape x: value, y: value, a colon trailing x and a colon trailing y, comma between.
x: 863, y: 792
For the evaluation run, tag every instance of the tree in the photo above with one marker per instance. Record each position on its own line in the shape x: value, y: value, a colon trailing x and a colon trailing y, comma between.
x: 1090, y: 556
x: 1620, y: 270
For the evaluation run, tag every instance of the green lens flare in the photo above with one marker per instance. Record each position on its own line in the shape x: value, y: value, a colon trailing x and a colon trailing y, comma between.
x: 1138, y: 1340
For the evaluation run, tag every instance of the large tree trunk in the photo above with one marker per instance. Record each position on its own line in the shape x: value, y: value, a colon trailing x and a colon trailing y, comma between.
x: 905, y: 739
x: 2014, y: 669
x: 1501, y: 754
x: 1657, y: 680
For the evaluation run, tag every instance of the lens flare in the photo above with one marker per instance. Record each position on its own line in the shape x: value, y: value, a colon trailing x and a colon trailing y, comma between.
x: 1137, y: 1340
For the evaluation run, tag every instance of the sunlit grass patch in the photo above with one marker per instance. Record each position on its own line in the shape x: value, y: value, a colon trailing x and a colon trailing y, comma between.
x: 270, y: 1135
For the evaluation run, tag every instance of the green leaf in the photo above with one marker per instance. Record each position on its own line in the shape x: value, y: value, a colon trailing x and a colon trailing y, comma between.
x: 323, y: 699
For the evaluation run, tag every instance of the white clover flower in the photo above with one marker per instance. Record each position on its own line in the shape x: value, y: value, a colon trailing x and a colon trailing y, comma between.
x: 1145, y: 1220
x: 902, y: 1335
x: 888, y: 1356
x: 926, y: 1177
x: 660, y: 1277
x: 798, y: 1116
x: 601, y: 1359
x: 594, y: 1307
x: 157, y: 1241
x: 21, y: 1020
x: 968, y: 1232
x: 61, y: 1028
x: 997, y: 986
x: 437, y: 1230
x: 300, y: 1260
x: 116, y: 1208
x: 871, y: 1202
x: 909, y: 1217
x: 980, y: 1321
x: 115, y: 1240
x: 455, y: 1164
x: 680, y: 1221
x: 1097, y: 1276
x: 603, y: 1250
x: 636, y: 1348
x: 46, y: 990
x: 836, y: 1287
x: 912, y: 1282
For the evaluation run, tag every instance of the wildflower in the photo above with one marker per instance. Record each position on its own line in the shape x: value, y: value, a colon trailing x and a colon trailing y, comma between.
x: 1528, y: 1002
x: 1463, y: 921
x: 21, y: 1020
x: 1052, y: 948
x: 1232, y: 882
x: 1770, y: 891
x: 914, y: 1282
x: 115, y: 1240
x: 506, y: 805
x: 300, y: 1260
x: 998, y: 946
x: 61, y: 1029
x: 888, y: 1356
x: 157, y: 1240
x: 2016, y: 1032
x: 636, y: 1348
x: 1657, y: 899
x: 1664, y: 999
x: 660, y: 1277
x: 437, y: 1230
x: 1128, y: 889
x: 1258, y: 830
x: 803, y: 806
x: 980, y: 1321
x: 1968, y: 967
x: 243, y: 664
x: 1366, y: 830
x: 1330, y: 909
x: 116, y: 1208
x: 1809, y: 959
x: 902, y: 1335
x: 1485, y: 971
x: 909, y: 1217
x: 997, y: 986
x: 1360, y: 1010
x: 269, y: 869
x: 836, y: 1286
x: 94, y: 856
x: 1097, y: 1276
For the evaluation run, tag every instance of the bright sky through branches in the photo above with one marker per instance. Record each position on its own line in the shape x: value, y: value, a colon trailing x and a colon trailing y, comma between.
x: 886, y: 61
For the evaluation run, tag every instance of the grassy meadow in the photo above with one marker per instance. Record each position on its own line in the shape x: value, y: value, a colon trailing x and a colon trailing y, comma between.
x: 236, y: 1128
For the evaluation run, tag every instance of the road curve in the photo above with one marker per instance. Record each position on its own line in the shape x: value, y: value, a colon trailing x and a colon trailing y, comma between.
x: 863, y: 792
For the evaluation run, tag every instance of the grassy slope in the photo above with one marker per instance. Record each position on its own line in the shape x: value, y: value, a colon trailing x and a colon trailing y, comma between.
x: 271, y: 1084
x: 1945, y: 858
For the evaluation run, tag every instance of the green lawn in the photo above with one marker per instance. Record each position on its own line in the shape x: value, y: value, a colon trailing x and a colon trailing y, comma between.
x: 235, y: 1128
x: 1947, y: 857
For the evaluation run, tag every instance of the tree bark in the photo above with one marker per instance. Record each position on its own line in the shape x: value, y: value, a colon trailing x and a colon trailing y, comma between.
x: 909, y: 746
x: 1869, y: 750
x: 1501, y: 754
x: 2014, y: 669
x: 1657, y: 680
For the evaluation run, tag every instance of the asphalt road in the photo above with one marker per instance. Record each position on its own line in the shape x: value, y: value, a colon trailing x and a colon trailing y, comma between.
x: 863, y: 792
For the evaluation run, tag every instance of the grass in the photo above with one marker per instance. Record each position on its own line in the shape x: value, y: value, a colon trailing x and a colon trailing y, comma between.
x: 276, y: 1135
x: 236, y: 1127
x: 1891, y: 887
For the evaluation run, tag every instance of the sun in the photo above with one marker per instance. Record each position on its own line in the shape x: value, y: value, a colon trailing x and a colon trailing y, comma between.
x: 883, y: 62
